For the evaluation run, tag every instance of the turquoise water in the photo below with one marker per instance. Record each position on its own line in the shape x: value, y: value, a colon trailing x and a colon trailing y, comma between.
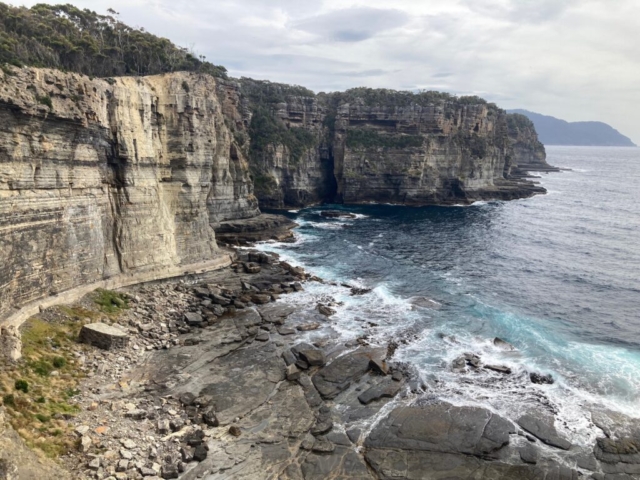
x: 556, y: 275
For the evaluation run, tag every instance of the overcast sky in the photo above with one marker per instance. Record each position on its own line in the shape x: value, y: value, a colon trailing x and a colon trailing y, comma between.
x: 573, y: 59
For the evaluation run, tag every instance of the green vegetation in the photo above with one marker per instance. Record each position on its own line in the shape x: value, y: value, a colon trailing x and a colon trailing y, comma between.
x: 59, y: 362
x: 371, y: 139
x: 111, y: 302
x: 185, y: 86
x: 22, y: 385
x: 263, y: 92
x: 266, y: 131
x: 45, y: 100
x: 38, y: 402
x: 517, y: 122
x: 68, y: 38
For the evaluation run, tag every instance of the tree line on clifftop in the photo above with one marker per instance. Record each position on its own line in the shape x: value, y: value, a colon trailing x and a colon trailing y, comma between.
x: 80, y: 40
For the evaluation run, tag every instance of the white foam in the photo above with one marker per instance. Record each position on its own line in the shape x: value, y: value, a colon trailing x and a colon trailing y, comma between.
x: 328, y: 225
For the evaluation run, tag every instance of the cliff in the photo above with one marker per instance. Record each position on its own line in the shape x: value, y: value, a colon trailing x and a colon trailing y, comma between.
x: 365, y: 145
x: 528, y: 152
x: 100, y: 178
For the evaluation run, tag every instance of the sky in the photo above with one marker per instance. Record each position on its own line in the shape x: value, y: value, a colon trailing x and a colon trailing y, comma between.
x: 572, y: 59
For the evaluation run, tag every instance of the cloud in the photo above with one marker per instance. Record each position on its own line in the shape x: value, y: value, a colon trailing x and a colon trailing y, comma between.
x: 352, y: 24
x: 573, y: 59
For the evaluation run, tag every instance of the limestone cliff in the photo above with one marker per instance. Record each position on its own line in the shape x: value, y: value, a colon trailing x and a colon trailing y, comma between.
x: 368, y: 145
x: 104, y: 177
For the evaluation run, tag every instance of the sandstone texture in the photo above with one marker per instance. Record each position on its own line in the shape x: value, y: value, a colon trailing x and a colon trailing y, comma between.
x: 364, y: 146
x: 102, y: 177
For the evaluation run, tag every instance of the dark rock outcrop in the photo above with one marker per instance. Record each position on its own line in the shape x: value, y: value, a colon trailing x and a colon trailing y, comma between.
x: 543, y: 429
x: 442, y: 428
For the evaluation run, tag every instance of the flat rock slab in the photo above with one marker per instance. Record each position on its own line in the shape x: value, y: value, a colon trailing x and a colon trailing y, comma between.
x: 442, y: 428
x: 619, y: 455
x: 387, y: 389
x: 247, y: 318
x: 104, y: 336
x: 276, y: 312
x: 414, y: 465
x: 543, y: 429
x: 342, y: 463
x: 339, y: 374
x: 240, y: 382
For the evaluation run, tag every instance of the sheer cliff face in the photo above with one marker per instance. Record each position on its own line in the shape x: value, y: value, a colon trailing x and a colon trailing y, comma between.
x: 528, y: 151
x: 418, y: 154
x: 100, y: 178
x: 381, y: 146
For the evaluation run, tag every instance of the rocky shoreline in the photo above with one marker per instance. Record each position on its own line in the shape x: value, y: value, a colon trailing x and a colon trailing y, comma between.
x: 222, y: 378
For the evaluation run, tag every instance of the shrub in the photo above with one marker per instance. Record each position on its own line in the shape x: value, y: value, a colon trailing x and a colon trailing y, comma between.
x: 111, y: 302
x: 45, y: 100
x: 59, y: 362
x: 185, y: 86
x: 9, y: 400
x: 41, y: 367
x: 372, y: 139
x: 22, y: 385
x: 42, y: 418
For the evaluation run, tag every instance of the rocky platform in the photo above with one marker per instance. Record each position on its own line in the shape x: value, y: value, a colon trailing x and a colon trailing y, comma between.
x: 263, y: 227
x: 223, y: 378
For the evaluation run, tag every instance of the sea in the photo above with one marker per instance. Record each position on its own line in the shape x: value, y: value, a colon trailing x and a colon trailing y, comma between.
x: 557, y: 276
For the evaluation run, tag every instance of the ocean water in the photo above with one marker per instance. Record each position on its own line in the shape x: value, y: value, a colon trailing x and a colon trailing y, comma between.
x: 557, y: 276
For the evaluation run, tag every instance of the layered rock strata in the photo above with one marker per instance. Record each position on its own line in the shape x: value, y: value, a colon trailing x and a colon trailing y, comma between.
x: 100, y: 178
x: 368, y: 146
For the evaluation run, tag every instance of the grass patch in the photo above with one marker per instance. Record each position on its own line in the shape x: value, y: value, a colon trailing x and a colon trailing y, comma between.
x: 111, y: 302
x: 45, y: 100
x: 39, y: 406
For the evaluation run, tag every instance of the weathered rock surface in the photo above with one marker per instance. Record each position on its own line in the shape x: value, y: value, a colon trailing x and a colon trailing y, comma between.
x: 442, y: 428
x: 542, y: 428
x: 263, y: 227
x: 118, y: 177
x: 339, y: 374
x: 104, y: 336
x: 365, y: 146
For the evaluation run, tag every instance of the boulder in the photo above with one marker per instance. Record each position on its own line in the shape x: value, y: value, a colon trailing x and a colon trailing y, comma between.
x: 193, y: 319
x: 260, y: 299
x: 251, y: 267
x: 541, y: 379
x: 379, y: 366
x: 209, y: 417
x: 543, y: 429
x: 326, y: 311
x: 313, y: 356
x: 10, y: 343
x: 104, y: 336
x: 386, y: 389
x: 339, y: 374
x: 503, y: 344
